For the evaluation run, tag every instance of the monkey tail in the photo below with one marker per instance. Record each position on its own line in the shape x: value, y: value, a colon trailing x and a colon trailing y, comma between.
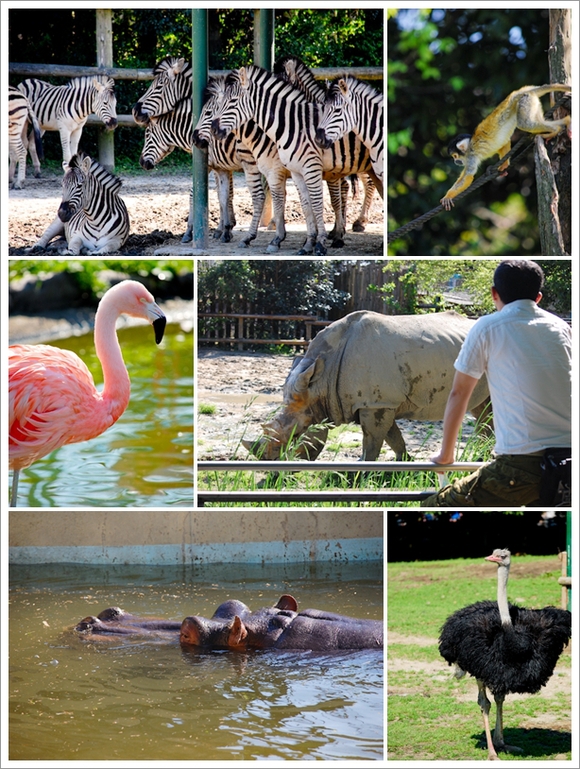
x: 540, y: 90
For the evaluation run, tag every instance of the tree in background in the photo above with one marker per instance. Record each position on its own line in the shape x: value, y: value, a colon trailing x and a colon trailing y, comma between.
x: 447, y: 69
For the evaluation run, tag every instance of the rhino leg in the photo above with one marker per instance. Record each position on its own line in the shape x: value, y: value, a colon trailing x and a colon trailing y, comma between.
x: 378, y: 425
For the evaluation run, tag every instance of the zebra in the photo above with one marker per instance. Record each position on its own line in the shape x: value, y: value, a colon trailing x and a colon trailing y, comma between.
x: 172, y: 80
x: 290, y: 121
x: 65, y: 108
x: 253, y: 145
x: 174, y: 129
x: 92, y: 216
x: 294, y: 70
x: 20, y: 115
x: 352, y: 105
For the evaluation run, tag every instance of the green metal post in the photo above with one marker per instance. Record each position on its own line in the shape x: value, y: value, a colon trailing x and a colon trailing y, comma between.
x: 199, y: 40
x: 264, y: 37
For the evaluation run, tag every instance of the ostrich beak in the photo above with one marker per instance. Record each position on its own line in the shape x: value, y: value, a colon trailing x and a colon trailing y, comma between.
x: 493, y: 558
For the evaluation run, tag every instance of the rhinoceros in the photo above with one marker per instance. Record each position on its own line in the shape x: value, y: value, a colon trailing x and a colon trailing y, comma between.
x: 370, y: 369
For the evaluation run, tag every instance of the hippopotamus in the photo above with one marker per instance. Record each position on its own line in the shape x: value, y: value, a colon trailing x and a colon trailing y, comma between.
x: 370, y: 369
x: 282, y: 627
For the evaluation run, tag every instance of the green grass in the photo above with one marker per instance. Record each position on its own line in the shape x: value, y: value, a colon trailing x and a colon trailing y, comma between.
x: 209, y: 409
x: 477, y: 448
x: 431, y: 714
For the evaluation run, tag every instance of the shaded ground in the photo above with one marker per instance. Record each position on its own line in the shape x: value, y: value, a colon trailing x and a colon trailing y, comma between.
x: 158, y: 207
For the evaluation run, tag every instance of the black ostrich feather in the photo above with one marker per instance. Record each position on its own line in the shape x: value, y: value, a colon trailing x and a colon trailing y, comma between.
x: 507, y: 659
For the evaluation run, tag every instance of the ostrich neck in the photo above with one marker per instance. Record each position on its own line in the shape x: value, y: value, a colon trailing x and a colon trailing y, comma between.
x: 116, y: 389
x: 502, y: 601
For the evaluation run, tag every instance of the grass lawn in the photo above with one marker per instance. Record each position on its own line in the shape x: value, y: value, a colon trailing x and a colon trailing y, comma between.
x: 432, y: 715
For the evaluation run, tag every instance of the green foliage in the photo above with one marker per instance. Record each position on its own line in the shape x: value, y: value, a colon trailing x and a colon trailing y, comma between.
x: 427, y: 280
x: 448, y: 68
x: 209, y: 409
x: 89, y: 273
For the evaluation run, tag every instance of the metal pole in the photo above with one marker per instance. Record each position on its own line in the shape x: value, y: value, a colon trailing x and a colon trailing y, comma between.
x: 199, y: 40
x: 264, y: 37
x: 569, y: 555
x: 104, y: 34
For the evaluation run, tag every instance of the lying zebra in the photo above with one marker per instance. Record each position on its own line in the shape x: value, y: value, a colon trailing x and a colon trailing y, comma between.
x: 92, y: 216
x: 66, y: 108
x: 20, y: 116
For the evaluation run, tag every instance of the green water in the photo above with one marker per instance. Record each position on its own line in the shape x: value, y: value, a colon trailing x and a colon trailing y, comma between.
x: 147, y: 699
x: 146, y: 458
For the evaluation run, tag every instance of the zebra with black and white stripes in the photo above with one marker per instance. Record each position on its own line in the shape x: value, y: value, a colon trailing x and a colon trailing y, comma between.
x: 174, y: 129
x: 295, y: 71
x: 352, y: 105
x: 20, y: 116
x: 290, y: 121
x: 66, y: 108
x: 92, y: 216
x: 172, y: 80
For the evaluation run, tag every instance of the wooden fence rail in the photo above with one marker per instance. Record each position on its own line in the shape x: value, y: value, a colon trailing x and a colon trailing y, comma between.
x: 237, y: 332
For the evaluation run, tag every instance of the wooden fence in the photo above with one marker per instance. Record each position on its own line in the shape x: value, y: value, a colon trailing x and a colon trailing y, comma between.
x: 240, y: 330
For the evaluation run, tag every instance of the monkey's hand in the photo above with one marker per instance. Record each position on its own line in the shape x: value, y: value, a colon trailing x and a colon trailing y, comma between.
x: 447, y: 203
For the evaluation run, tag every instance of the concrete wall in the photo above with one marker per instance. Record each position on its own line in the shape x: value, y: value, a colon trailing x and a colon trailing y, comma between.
x: 184, y: 537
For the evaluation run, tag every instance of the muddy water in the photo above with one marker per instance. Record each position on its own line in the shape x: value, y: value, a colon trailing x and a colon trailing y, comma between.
x: 146, y: 458
x: 146, y: 699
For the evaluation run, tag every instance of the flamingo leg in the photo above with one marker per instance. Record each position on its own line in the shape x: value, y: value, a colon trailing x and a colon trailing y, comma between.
x: 14, y: 492
x: 485, y: 706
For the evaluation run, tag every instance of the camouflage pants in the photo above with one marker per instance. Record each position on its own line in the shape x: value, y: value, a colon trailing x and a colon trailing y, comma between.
x: 510, y: 480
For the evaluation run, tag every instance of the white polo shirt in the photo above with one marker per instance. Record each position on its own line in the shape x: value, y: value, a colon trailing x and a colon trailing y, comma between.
x: 526, y: 354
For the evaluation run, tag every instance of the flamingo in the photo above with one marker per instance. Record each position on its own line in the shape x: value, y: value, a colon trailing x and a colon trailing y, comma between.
x: 52, y: 397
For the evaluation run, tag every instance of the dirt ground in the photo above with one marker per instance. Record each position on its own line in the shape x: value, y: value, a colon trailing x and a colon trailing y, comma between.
x: 158, y: 206
x: 246, y: 388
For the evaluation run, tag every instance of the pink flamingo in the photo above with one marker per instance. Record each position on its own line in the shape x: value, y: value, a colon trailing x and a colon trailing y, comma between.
x: 52, y: 396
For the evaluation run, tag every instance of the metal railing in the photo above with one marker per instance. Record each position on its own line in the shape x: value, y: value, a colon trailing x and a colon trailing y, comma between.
x: 386, y: 496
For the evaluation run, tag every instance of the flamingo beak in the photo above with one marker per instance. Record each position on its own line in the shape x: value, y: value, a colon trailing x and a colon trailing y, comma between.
x: 157, y: 319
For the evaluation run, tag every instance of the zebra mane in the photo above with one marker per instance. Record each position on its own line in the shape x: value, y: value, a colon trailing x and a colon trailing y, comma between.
x: 80, y: 82
x: 259, y: 75
x: 293, y: 70
x: 216, y: 85
x: 103, y: 177
x: 170, y: 62
x: 334, y: 95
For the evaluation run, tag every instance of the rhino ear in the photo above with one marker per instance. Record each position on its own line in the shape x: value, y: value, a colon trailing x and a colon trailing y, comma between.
x: 288, y: 603
x: 237, y: 633
x: 307, y: 374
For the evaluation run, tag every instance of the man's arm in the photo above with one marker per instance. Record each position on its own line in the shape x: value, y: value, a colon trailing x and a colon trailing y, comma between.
x: 461, y: 390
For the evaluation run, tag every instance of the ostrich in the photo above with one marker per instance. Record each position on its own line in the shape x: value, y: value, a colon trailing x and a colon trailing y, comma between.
x: 506, y: 648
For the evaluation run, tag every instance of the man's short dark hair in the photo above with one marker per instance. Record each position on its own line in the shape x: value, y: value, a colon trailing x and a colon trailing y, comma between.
x: 518, y: 279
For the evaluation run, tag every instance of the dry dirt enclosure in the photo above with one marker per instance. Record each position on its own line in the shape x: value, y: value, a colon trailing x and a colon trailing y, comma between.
x: 158, y: 205
x: 246, y: 388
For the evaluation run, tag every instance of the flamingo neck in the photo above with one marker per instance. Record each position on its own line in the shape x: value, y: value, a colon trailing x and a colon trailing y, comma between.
x: 503, y: 573
x: 117, y: 386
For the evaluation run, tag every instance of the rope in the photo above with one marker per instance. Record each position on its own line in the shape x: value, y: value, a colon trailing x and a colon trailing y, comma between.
x: 491, y: 173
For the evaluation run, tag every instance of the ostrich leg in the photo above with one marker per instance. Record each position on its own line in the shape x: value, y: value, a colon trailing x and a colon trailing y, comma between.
x: 498, y: 740
x: 485, y: 706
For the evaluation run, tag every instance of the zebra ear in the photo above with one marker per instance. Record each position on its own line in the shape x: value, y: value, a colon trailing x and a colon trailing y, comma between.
x: 86, y: 165
x: 98, y: 85
x: 243, y: 75
x: 65, y: 166
x: 342, y: 84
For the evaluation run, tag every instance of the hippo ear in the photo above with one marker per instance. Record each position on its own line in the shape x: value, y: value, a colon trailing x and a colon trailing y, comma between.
x: 287, y: 602
x: 237, y: 633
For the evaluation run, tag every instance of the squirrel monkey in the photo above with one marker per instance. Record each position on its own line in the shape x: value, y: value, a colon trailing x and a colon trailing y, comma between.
x: 521, y: 109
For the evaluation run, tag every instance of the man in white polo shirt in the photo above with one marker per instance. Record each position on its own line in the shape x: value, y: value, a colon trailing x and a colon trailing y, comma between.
x: 525, y: 352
